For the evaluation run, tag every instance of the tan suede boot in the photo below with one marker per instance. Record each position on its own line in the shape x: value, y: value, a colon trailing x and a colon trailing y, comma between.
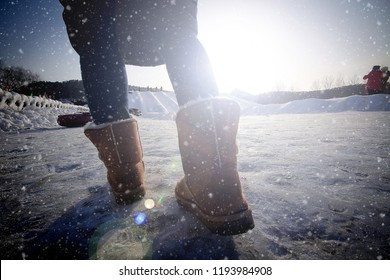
x: 211, y: 187
x: 120, y: 149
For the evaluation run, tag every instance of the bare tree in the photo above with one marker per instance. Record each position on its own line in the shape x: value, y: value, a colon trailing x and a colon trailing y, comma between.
x: 354, y: 80
x: 328, y: 82
x: 12, y: 77
x: 316, y: 85
x: 340, y: 82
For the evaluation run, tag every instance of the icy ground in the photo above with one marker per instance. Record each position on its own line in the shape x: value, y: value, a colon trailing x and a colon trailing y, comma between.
x: 318, y: 184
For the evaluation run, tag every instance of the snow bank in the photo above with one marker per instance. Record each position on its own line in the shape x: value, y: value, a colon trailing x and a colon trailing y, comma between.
x: 18, y: 111
x: 163, y: 105
x: 378, y: 102
x: 16, y: 101
x: 31, y: 118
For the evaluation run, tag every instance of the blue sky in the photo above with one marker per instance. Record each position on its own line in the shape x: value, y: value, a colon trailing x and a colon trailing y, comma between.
x: 254, y: 45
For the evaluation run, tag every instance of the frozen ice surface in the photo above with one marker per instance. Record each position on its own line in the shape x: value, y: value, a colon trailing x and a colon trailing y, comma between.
x: 318, y: 185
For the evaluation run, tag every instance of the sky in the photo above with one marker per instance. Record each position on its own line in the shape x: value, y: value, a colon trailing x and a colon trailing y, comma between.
x: 254, y: 45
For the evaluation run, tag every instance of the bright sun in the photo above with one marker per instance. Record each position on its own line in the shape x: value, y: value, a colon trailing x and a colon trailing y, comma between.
x: 248, y: 55
x: 245, y: 51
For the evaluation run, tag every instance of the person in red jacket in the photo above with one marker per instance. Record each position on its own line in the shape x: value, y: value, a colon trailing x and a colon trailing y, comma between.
x: 374, y: 80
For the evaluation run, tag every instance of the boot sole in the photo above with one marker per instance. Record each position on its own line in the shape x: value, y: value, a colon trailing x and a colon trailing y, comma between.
x: 222, y: 225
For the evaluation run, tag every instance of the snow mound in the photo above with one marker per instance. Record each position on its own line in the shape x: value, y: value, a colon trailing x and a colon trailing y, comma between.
x: 378, y: 102
x: 31, y: 118
x: 163, y: 105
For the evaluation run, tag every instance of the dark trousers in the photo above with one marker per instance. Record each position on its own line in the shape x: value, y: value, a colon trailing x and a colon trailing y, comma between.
x: 99, y: 31
x: 105, y: 79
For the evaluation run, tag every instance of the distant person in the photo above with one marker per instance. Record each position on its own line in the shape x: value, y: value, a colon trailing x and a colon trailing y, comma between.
x: 109, y: 34
x: 385, y: 78
x: 374, y: 80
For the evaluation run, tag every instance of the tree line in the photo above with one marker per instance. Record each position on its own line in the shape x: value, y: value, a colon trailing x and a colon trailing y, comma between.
x: 28, y: 83
x: 281, y: 97
x: 14, y: 77
x: 24, y: 81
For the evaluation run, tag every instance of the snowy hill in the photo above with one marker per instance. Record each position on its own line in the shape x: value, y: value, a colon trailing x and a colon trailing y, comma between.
x: 160, y: 104
x: 163, y: 105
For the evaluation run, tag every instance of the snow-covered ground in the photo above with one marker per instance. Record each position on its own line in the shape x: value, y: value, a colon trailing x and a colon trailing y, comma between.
x: 316, y: 174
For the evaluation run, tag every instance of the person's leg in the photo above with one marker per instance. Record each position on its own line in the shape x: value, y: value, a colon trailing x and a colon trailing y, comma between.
x: 113, y: 132
x: 105, y: 83
x: 207, y: 129
x: 211, y: 187
x: 189, y: 69
x: 91, y: 31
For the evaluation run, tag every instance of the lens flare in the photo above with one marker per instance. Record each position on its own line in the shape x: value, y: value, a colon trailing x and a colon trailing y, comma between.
x: 159, y: 201
x: 149, y: 203
x: 140, y: 218
x: 107, y: 241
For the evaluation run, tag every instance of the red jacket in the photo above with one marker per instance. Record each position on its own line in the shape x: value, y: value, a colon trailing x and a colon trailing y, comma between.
x: 374, y: 79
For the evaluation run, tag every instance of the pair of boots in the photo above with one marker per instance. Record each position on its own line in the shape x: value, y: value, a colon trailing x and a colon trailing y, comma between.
x: 210, y: 187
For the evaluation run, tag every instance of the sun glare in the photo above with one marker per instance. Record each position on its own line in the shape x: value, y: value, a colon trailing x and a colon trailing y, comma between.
x: 248, y: 55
